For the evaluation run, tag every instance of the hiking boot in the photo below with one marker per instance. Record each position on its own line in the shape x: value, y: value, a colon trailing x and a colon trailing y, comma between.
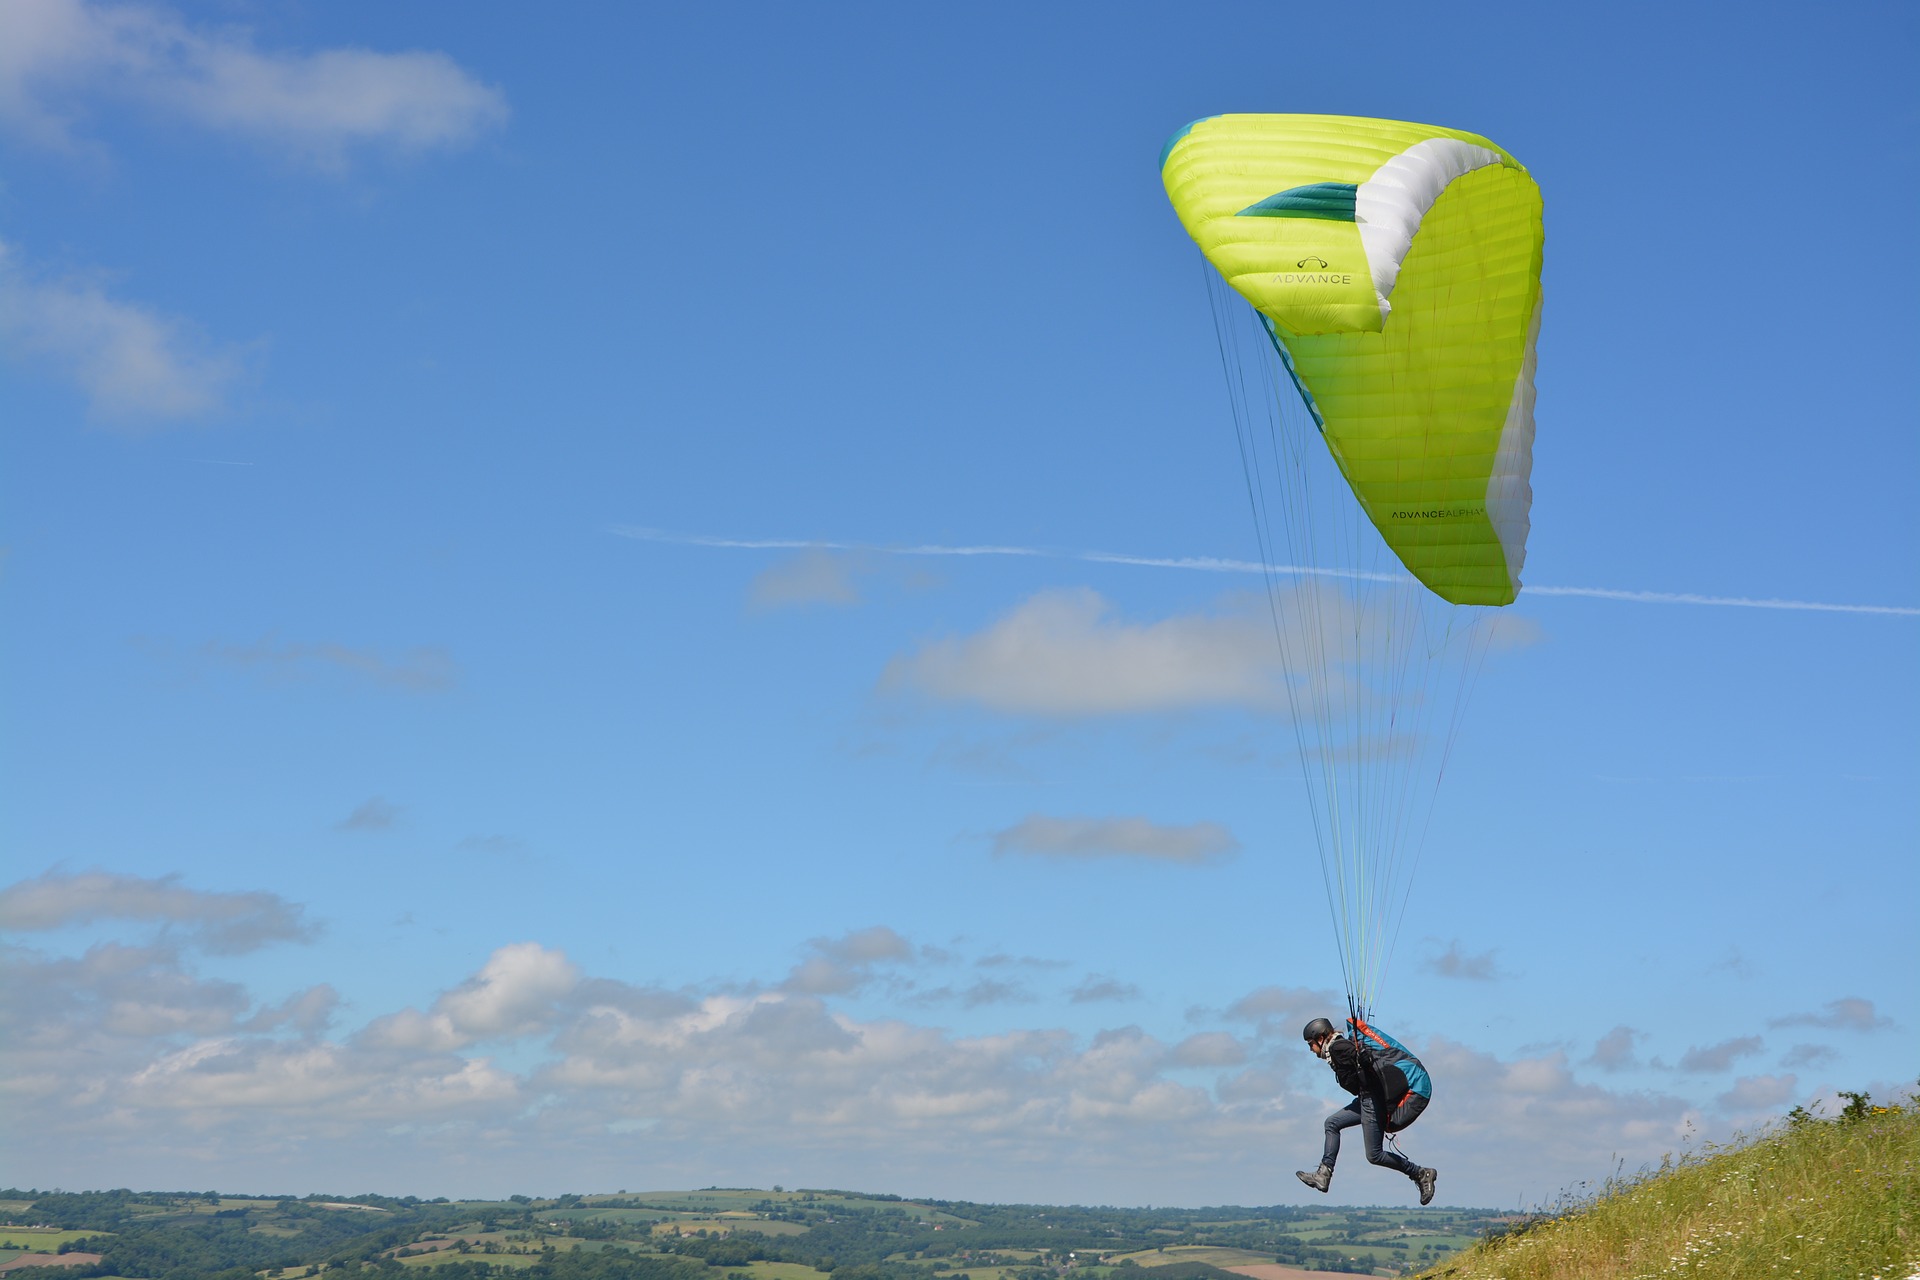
x: 1425, y: 1179
x: 1320, y: 1179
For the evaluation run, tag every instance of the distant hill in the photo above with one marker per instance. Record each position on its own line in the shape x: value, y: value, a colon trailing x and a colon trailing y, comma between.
x: 710, y: 1234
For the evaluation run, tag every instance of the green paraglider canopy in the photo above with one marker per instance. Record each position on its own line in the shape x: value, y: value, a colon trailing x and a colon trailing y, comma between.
x: 1397, y: 267
x: 1382, y: 388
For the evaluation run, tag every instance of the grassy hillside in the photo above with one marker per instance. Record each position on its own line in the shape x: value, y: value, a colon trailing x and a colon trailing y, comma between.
x: 1816, y: 1199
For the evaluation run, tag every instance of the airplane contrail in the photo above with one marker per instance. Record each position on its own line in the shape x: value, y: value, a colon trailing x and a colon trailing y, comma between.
x: 1215, y: 564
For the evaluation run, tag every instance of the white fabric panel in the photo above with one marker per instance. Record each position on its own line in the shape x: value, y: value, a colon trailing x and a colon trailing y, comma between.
x: 1509, y: 493
x: 1389, y: 206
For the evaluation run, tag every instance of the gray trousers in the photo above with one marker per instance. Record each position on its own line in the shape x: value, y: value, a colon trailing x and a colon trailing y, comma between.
x: 1360, y: 1112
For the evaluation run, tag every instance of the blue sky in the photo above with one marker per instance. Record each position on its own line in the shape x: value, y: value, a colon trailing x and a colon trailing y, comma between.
x: 383, y: 814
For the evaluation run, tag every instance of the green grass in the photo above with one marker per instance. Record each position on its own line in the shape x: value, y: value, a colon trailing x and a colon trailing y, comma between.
x: 778, y: 1271
x: 1816, y: 1199
x: 31, y: 1241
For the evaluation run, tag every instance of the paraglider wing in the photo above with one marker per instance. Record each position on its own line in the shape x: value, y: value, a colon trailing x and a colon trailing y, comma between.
x: 1397, y: 270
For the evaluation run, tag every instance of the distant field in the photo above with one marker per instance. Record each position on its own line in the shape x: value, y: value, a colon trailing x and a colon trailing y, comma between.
x: 609, y: 1213
x: 1275, y: 1271
x: 33, y: 1241
x: 523, y: 1254
x: 720, y: 1226
x: 699, y: 1201
x: 1212, y: 1255
x: 779, y: 1271
x: 15, y: 1260
x: 515, y: 1261
x: 718, y: 1202
x: 517, y: 1254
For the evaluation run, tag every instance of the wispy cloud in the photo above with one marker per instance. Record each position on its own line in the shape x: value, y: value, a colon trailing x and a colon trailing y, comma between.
x: 1455, y: 963
x: 842, y: 965
x: 1063, y: 653
x: 1097, y: 989
x: 814, y: 576
x: 424, y: 669
x: 1216, y: 564
x: 1191, y: 844
x: 1209, y: 1049
x: 495, y: 846
x: 1719, y: 1057
x: 1758, y: 1093
x: 1730, y: 602
x: 227, y: 923
x: 1615, y: 1050
x: 60, y: 58
x: 1809, y: 1055
x: 377, y: 813
x: 1848, y: 1014
x: 976, y: 995
x: 1278, y: 1011
x: 135, y: 365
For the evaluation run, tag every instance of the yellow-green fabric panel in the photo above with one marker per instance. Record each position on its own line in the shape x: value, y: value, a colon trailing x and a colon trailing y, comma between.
x: 1414, y: 413
x: 1414, y: 402
x: 1226, y: 163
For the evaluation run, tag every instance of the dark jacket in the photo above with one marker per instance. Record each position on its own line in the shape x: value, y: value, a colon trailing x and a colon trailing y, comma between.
x: 1369, y: 1062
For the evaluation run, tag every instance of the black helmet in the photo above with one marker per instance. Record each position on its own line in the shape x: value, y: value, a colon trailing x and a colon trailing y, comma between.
x: 1315, y: 1029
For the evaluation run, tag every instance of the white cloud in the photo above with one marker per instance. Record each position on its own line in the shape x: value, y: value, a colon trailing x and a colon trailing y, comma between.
x: 1208, y: 1049
x: 1061, y: 654
x: 376, y: 813
x: 1734, y: 962
x: 978, y: 994
x: 308, y: 1012
x: 1529, y: 1120
x: 58, y: 57
x: 1003, y: 960
x: 840, y: 966
x: 1615, y: 1050
x: 135, y: 366
x: 1720, y: 1057
x: 865, y: 946
x: 324, y: 1084
x: 119, y: 1065
x: 1281, y: 1012
x: 1455, y: 963
x: 1043, y: 837
x: 1098, y: 990
x: 1809, y: 1055
x: 112, y: 992
x: 517, y: 993
x: 1848, y: 1014
x: 222, y: 922
x: 812, y: 577
x: 1759, y: 1094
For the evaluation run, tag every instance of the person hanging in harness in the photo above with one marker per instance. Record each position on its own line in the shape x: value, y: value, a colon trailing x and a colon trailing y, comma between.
x: 1391, y: 1089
